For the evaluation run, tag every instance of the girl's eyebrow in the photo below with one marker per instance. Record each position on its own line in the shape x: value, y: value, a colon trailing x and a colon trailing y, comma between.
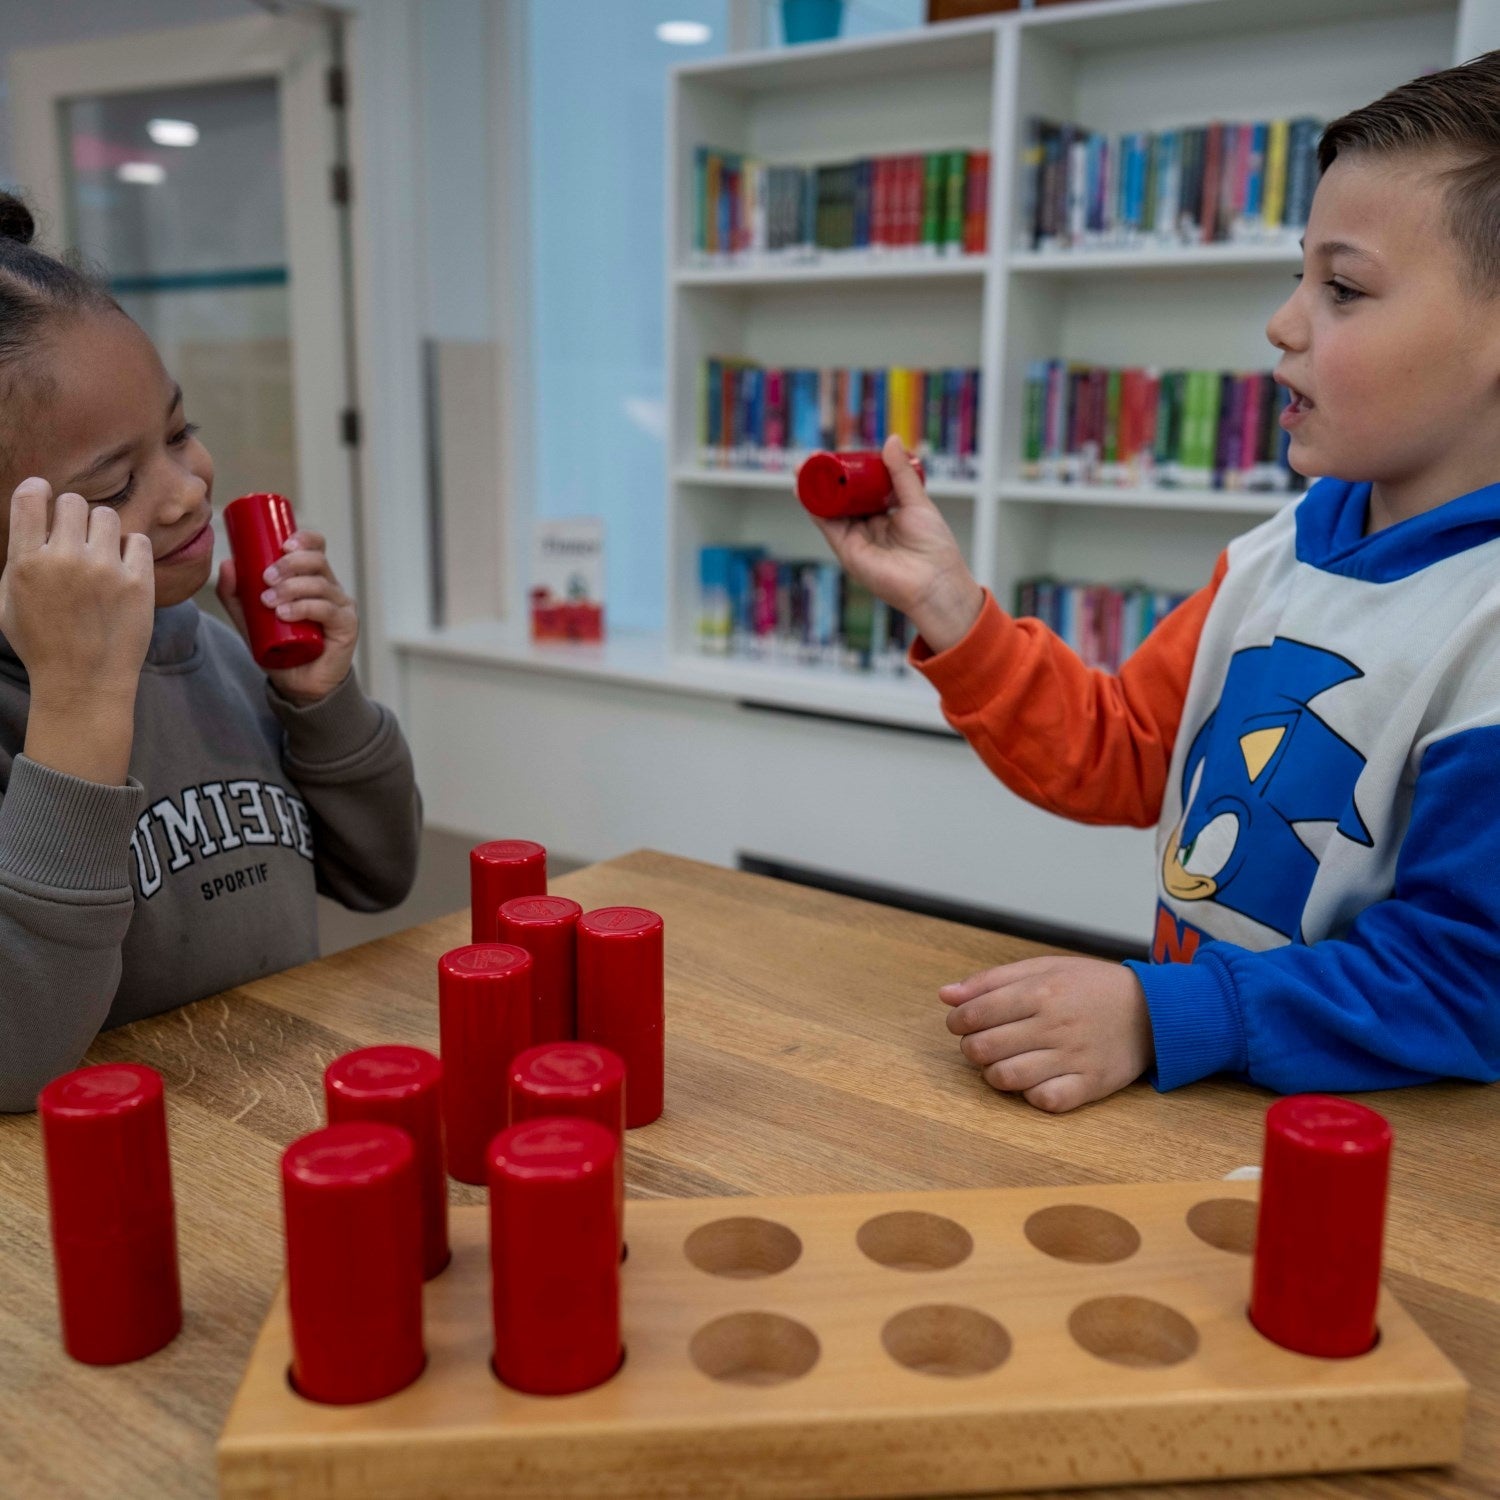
x: 116, y: 454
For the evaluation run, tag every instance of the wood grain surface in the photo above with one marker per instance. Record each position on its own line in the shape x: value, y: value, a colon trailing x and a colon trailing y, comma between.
x: 806, y: 1054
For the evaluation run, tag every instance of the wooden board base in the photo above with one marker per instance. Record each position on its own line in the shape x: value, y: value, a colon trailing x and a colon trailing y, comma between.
x: 873, y: 1345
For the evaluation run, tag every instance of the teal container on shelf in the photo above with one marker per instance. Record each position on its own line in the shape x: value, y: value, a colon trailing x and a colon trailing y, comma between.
x: 811, y: 20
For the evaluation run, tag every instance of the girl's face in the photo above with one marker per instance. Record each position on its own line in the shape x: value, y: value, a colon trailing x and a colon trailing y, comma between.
x: 106, y: 422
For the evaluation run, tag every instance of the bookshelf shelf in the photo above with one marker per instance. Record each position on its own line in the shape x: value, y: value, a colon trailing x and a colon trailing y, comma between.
x: 1153, y: 258
x: 836, y: 268
x: 1226, y: 502
x: 1113, y: 66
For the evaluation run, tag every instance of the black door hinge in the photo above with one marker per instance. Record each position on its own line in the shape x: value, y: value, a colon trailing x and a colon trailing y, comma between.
x: 338, y: 88
x: 349, y: 427
x: 339, y: 184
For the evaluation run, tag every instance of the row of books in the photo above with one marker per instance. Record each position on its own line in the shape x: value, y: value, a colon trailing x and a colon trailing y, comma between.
x: 1205, y: 184
x: 1102, y: 624
x: 744, y: 209
x: 800, y: 613
x: 1199, y: 429
x: 755, y: 417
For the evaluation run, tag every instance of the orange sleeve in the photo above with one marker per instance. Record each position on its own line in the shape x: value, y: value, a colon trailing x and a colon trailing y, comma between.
x: 1089, y: 745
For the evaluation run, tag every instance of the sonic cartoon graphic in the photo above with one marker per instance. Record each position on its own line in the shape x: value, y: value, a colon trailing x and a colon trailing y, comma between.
x: 1282, y: 782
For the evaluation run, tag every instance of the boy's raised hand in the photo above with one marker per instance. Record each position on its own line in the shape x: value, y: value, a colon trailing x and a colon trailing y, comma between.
x: 1059, y: 1030
x: 909, y: 557
x: 300, y: 585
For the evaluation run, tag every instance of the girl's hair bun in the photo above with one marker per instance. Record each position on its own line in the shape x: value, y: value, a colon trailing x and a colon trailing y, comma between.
x: 16, y: 222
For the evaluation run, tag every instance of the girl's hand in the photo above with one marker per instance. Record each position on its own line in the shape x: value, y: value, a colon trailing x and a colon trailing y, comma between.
x: 77, y: 602
x: 1059, y: 1030
x: 300, y: 585
x: 909, y: 557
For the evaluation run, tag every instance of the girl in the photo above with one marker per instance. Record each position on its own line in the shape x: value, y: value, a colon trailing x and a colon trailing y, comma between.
x: 167, y: 811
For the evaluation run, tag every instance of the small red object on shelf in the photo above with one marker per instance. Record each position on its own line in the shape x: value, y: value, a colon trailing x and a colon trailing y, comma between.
x: 554, y: 1252
x: 500, y: 871
x: 547, y: 928
x: 400, y: 1086
x: 843, y: 486
x: 1321, y: 1225
x: 114, y: 1238
x: 258, y: 525
x: 621, y: 999
x: 485, y: 1006
x: 353, y: 1262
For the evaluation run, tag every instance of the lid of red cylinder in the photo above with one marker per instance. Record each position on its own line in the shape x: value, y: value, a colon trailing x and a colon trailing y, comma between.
x: 1319, y: 1122
x: 485, y: 958
x: 567, y: 1069
x: 383, y: 1072
x: 104, y: 1091
x: 536, y: 911
x: 620, y: 921
x: 508, y: 851
x: 819, y: 481
x: 554, y: 1148
x: 353, y: 1155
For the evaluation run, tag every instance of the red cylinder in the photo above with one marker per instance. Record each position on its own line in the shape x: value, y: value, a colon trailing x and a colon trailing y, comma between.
x: 258, y: 525
x: 400, y: 1086
x: 114, y: 1237
x: 547, y: 928
x: 621, y: 999
x: 840, y: 486
x: 1322, y: 1220
x: 576, y: 1079
x: 485, y: 1006
x: 500, y: 871
x: 353, y: 1262
x: 554, y: 1255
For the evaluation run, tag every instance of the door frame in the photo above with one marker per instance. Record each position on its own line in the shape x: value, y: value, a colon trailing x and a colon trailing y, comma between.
x: 298, y: 53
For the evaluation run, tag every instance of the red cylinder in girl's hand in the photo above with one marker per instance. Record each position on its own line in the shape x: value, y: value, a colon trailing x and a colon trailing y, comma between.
x: 621, y: 999
x: 1316, y: 1279
x: 353, y: 1262
x: 843, y: 486
x: 104, y: 1135
x: 258, y: 525
x: 555, y: 1254
x: 401, y: 1086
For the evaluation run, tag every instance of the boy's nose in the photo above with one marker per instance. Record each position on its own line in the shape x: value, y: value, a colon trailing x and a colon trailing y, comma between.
x: 1287, y: 329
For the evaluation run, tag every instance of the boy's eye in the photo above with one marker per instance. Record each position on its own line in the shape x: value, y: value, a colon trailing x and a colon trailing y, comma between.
x: 120, y: 496
x: 1342, y: 295
x: 179, y: 438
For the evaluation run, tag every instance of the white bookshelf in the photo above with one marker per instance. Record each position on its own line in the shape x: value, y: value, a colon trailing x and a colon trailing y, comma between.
x: 1112, y: 66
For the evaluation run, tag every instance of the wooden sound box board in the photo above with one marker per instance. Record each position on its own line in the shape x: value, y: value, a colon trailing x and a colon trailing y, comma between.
x: 874, y: 1344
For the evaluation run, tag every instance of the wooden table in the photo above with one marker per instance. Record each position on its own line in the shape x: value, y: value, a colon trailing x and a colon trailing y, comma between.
x: 806, y: 1053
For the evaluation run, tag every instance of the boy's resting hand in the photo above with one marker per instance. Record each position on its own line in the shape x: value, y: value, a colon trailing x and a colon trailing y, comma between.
x: 910, y: 558
x: 1058, y: 1030
x: 300, y: 586
x: 77, y: 602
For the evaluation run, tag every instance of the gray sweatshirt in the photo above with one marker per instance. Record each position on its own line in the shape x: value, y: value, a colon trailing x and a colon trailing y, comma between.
x: 118, y: 902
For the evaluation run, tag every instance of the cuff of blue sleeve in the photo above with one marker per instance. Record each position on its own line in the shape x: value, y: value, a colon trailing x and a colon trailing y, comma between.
x: 1195, y: 1021
x: 64, y: 832
x: 332, y: 729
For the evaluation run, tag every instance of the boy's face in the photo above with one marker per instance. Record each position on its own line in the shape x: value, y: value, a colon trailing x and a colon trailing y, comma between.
x: 109, y: 426
x: 1386, y: 338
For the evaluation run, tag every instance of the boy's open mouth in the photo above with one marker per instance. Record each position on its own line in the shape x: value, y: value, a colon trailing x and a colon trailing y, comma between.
x: 1298, y: 401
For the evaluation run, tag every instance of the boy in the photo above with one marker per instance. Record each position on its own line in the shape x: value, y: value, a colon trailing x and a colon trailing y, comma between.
x: 1315, y: 733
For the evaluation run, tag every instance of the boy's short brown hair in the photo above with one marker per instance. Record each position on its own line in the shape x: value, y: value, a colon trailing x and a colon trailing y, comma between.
x: 1455, y: 113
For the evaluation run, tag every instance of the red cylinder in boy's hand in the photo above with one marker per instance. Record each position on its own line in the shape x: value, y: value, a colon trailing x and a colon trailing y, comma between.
x: 1322, y: 1220
x: 353, y: 1262
x: 500, y: 871
x: 547, y: 928
x: 258, y: 525
x: 485, y: 1005
x: 842, y: 486
x: 400, y: 1086
x: 621, y: 999
x: 555, y: 1255
x: 114, y: 1238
